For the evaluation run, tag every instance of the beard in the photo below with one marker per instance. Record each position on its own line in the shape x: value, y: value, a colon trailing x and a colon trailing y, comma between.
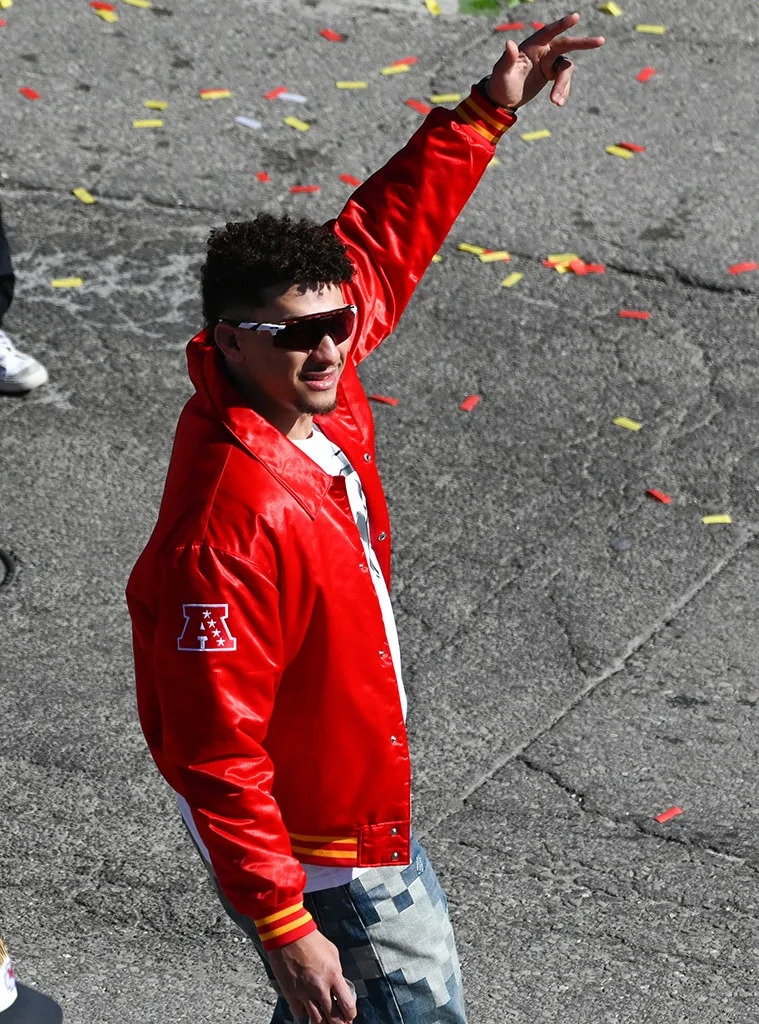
x: 316, y: 406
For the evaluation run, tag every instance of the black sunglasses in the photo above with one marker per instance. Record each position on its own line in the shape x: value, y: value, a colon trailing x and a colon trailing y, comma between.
x: 303, y: 333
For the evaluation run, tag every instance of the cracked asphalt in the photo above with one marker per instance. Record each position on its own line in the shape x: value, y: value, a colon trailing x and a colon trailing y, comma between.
x: 578, y: 656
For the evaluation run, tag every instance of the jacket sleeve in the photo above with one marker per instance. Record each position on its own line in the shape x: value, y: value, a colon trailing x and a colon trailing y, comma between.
x: 395, y: 222
x: 216, y: 665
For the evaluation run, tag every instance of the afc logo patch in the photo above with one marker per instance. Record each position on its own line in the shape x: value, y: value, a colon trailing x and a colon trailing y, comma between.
x: 206, y: 629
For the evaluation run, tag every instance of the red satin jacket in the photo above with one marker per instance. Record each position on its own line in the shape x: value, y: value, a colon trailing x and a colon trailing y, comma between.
x: 265, y: 685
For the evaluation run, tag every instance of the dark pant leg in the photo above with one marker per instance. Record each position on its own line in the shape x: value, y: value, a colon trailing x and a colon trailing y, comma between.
x: 7, y: 277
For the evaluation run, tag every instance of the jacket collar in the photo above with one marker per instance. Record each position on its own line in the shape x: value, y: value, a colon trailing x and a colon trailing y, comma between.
x: 291, y: 468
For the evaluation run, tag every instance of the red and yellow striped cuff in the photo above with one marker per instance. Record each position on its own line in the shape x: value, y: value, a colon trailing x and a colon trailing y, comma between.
x: 286, y: 925
x: 337, y: 851
x: 488, y: 120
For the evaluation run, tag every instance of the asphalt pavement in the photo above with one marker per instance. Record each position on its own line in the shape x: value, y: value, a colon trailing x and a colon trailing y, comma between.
x: 579, y: 656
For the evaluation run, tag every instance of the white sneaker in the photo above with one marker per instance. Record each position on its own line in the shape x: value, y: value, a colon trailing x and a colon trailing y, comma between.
x: 18, y: 371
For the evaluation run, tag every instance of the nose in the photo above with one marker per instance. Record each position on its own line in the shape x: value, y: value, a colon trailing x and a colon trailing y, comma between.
x: 326, y: 351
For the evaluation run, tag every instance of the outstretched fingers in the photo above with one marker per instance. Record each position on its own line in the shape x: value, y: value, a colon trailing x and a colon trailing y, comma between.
x: 568, y: 44
x: 545, y: 36
x: 562, y: 68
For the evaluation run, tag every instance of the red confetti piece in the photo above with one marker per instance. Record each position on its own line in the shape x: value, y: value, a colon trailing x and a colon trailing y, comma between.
x: 404, y: 60
x: 263, y: 176
x: 31, y: 94
x: 634, y: 314
x: 666, y: 815
x: 510, y: 26
x: 420, y: 107
x: 273, y: 93
x: 579, y: 267
x: 350, y: 180
x: 595, y: 268
x: 633, y: 147
x: 333, y: 37
x: 469, y: 403
x: 98, y: 5
x: 3, y: 23
x: 742, y: 268
x: 537, y: 24
x: 646, y: 74
x: 305, y: 188
x: 659, y: 495
x: 385, y: 399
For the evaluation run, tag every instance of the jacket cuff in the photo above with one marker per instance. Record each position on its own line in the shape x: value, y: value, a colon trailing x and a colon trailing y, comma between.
x: 285, y: 925
x: 488, y: 120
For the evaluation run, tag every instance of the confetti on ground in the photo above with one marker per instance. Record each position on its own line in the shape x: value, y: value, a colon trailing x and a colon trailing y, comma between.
x: 84, y: 196
x: 5, y: 4
x: 395, y: 69
x: 3, y: 22
x: 148, y: 122
x: 418, y: 106
x: 611, y: 8
x: 350, y: 180
x: 292, y: 97
x: 665, y: 499
x: 623, y: 421
x: 249, y: 122
x: 714, y: 520
x: 437, y: 258
x: 445, y: 97
x: 305, y: 188
x: 652, y: 30
x: 560, y: 262
x: 351, y: 85
x: 469, y: 403
x: 109, y: 16
x: 295, y: 122
x: 512, y: 279
x: 510, y: 26
x: 145, y: 5
x: 67, y: 282
x: 273, y: 93
x: 155, y: 104
x: 495, y: 256
x: 633, y: 147
x: 100, y: 5
x: 478, y: 250
x: 634, y: 314
x: 31, y: 94
x: 537, y: 25
x: 385, y: 399
x: 646, y: 74
x: 532, y: 136
x: 329, y: 34
x: 743, y: 268
x: 215, y: 94
x: 410, y: 61
x: 494, y: 162
x: 626, y: 154
x: 666, y: 815
x: 262, y: 176
x: 432, y: 6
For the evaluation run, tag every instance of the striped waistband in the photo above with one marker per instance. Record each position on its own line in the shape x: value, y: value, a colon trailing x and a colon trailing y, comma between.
x: 337, y: 851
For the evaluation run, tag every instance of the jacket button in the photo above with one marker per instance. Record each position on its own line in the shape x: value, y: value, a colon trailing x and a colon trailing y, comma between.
x: 382, y: 536
x: 395, y: 855
x: 393, y: 739
x: 367, y: 457
x: 393, y: 831
x: 383, y: 654
x: 363, y: 567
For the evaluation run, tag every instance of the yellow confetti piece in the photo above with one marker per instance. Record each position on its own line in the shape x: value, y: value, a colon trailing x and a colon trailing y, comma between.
x: 494, y: 162
x: 622, y: 421
x: 712, y: 520
x: 432, y: 6
x: 86, y: 197
x: 437, y: 258
x: 611, y: 8
x: 155, y: 104
x: 109, y: 16
x: 563, y: 257
x: 295, y: 122
x: 445, y: 97
x: 395, y: 69
x: 512, y: 279
x: 478, y: 250
x: 498, y: 255
x: 148, y: 122
x: 351, y: 85
x: 215, y: 94
x: 532, y: 136
x: 144, y: 4
x: 5, y: 4
x: 653, y: 30
x: 620, y: 151
x: 67, y: 282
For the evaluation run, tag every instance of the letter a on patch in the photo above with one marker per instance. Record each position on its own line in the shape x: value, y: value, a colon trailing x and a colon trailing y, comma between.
x: 206, y: 629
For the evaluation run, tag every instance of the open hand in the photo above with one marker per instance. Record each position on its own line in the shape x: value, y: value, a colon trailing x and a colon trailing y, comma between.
x: 524, y: 70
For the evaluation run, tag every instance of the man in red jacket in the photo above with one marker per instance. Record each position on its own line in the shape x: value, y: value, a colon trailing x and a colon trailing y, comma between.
x: 267, y: 664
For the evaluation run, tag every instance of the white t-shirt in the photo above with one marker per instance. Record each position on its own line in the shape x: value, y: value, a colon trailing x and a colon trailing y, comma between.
x: 333, y: 461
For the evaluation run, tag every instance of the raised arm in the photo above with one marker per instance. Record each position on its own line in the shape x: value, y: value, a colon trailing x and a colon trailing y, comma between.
x: 396, y: 221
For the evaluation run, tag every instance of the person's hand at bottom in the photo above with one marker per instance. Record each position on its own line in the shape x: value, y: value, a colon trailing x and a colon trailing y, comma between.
x: 309, y: 975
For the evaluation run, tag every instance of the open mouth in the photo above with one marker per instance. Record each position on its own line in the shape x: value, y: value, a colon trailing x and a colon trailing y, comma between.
x: 320, y: 381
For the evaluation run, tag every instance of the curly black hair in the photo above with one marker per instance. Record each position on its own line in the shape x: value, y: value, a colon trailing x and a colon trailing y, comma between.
x: 246, y: 257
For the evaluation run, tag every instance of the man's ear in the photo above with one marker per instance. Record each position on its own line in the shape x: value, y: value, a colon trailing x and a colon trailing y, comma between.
x: 225, y: 337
